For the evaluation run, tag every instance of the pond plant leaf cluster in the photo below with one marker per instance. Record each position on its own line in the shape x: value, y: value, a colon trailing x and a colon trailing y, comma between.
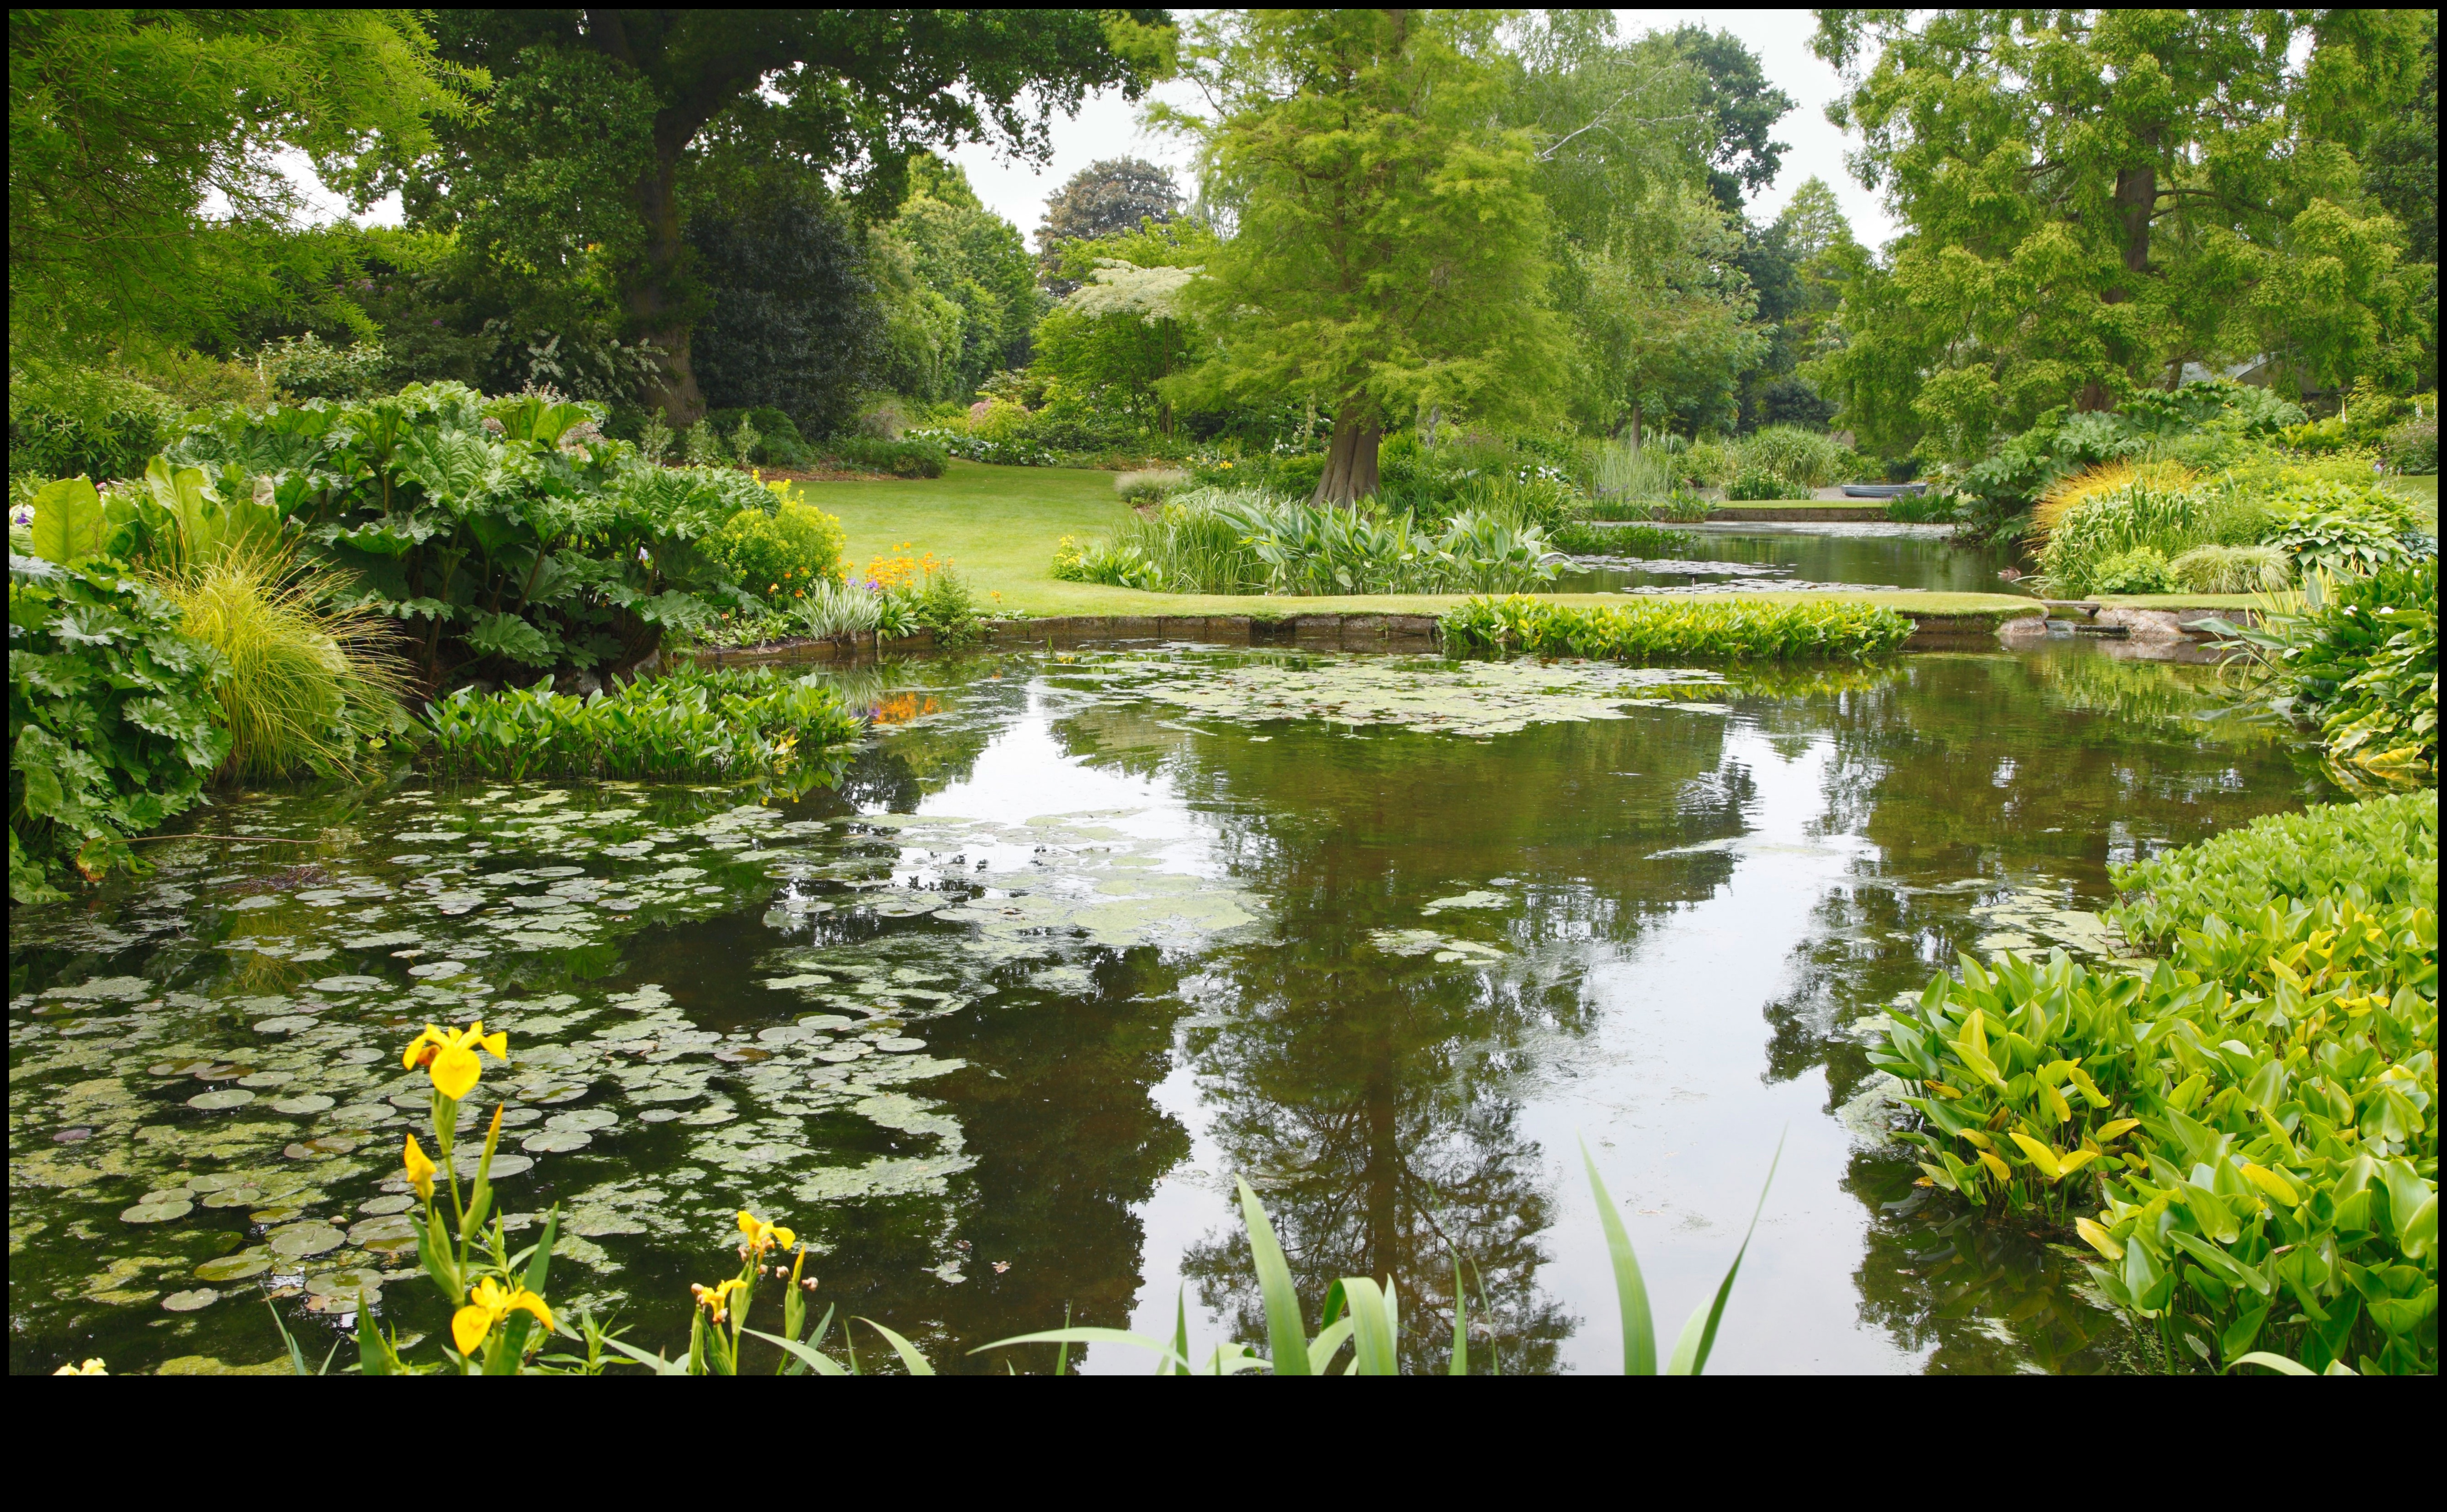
x: 2253, y: 1116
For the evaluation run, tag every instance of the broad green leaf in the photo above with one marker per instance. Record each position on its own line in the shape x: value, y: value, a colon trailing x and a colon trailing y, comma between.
x: 815, y: 1360
x: 1631, y: 1292
x: 1081, y: 1334
x: 1284, y: 1331
x: 1460, y: 1364
x: 1329, y: 1342
x: 1376, y: 1342
x: 67, y: 522
x: 908, y: 1352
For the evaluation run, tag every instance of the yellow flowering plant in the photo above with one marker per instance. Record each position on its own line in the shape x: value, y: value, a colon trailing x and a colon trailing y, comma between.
x: 720, y: 1321
x: 496, y: 1296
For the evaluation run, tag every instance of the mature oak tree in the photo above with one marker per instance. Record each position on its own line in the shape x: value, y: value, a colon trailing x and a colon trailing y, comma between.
x: 596, y: 168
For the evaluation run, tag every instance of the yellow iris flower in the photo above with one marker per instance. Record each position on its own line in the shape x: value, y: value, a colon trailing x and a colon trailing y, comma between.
x: 89, y: 1367
x: 487, y: 1305
x: 450, y: 1056
x: 420, y: 1170
x: 717, y: 1299
x: 763, y: 1236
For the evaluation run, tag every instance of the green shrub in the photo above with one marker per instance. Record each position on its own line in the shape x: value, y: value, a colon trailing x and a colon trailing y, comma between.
x: 1665, y: 630
x: 917, y: 457
x: 778, y: 557
x: 2231, y: 569
x: 310, y: 688
x: 111, y: 726
x: 1710, y: 464
x: 1804, y: 459
x: 308, y: 367
x: 2142, y: 570
x: 942, y: 602
x: 1238, y: 541
x: 83, y: 421
x: 2358, y: 658
x: 773, y: 437
x: 2140, y: 514
x: 1928, y: 508
x: 730, y: 724
x: 2413, y: 446
x: 1148, y: 485
x: 1754, y: 483
x: 2255, y: 1117
x: 503, y: 530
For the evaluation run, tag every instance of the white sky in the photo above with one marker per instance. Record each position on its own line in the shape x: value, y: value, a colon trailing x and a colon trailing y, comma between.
x: 1108, y: 127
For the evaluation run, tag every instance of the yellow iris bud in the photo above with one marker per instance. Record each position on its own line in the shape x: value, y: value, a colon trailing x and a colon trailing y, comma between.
x: 420, y: 1170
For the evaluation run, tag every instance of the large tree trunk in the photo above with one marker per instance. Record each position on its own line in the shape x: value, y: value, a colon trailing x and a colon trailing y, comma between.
x: 649, y: 285
x: 1351, y: 463
x: 2136, y: 201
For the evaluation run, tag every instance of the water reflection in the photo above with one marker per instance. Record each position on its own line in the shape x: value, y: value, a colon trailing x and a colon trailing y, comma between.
x: 1394, y: 977
x: 1718, y: 557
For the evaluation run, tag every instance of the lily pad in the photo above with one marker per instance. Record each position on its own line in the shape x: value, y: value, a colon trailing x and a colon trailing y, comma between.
x: 382, y: 1206
x: 556, y: 1141
x: 235, y: 1196
x: 227, y: 1097
x: 234, y: 1267
x: 156, y: 1212
x: 583, y: 1120
x: 348, y: 1283
x: 311, y: 1103
x: 299, y: 1240
x: 195, y: 1302
x: 391, y: 1231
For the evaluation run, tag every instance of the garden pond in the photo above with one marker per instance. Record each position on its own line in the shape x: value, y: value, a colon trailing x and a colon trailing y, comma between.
x: 1081, y: 936
x: 1769, y: 558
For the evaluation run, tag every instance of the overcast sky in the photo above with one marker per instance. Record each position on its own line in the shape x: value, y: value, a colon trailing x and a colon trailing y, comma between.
x: 1107, y: 126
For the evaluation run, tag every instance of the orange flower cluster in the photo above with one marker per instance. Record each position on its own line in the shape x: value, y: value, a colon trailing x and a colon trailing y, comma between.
x: 900, y: 569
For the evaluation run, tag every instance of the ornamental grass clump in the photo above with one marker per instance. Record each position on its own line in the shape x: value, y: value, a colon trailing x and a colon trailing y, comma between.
x: 311, y: 688
x: 1665, y: 631
x: 2245, y: 1135
x: 730, y: 724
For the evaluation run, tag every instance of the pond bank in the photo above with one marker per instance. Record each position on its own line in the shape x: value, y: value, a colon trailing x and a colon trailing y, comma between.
x: 1956, y: 630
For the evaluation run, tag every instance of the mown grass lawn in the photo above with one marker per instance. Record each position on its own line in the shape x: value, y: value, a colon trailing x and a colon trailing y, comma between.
x: 999, y: 526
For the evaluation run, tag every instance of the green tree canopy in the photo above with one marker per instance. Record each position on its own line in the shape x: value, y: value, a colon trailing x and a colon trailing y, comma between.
x: 1106, y: 197
x: 614, y: 108
x: 976, y: 259
x: 1126, y: 326
x: 2094, y: 197
x: 1741, y: 109
x: 145, y: 202
x: 1391, y: 245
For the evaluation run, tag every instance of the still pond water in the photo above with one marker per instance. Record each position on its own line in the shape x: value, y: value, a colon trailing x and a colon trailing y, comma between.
x: 1715, y: 558
x: 1082, y: 935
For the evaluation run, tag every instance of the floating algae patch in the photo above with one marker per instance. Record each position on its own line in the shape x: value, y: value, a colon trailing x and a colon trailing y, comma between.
x: 2033, y: 919
x: 1474, y: 699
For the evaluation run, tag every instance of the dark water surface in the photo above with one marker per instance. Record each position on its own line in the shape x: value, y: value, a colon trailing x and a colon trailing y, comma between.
x: 1079, y: 939
x: 1772, y: 556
